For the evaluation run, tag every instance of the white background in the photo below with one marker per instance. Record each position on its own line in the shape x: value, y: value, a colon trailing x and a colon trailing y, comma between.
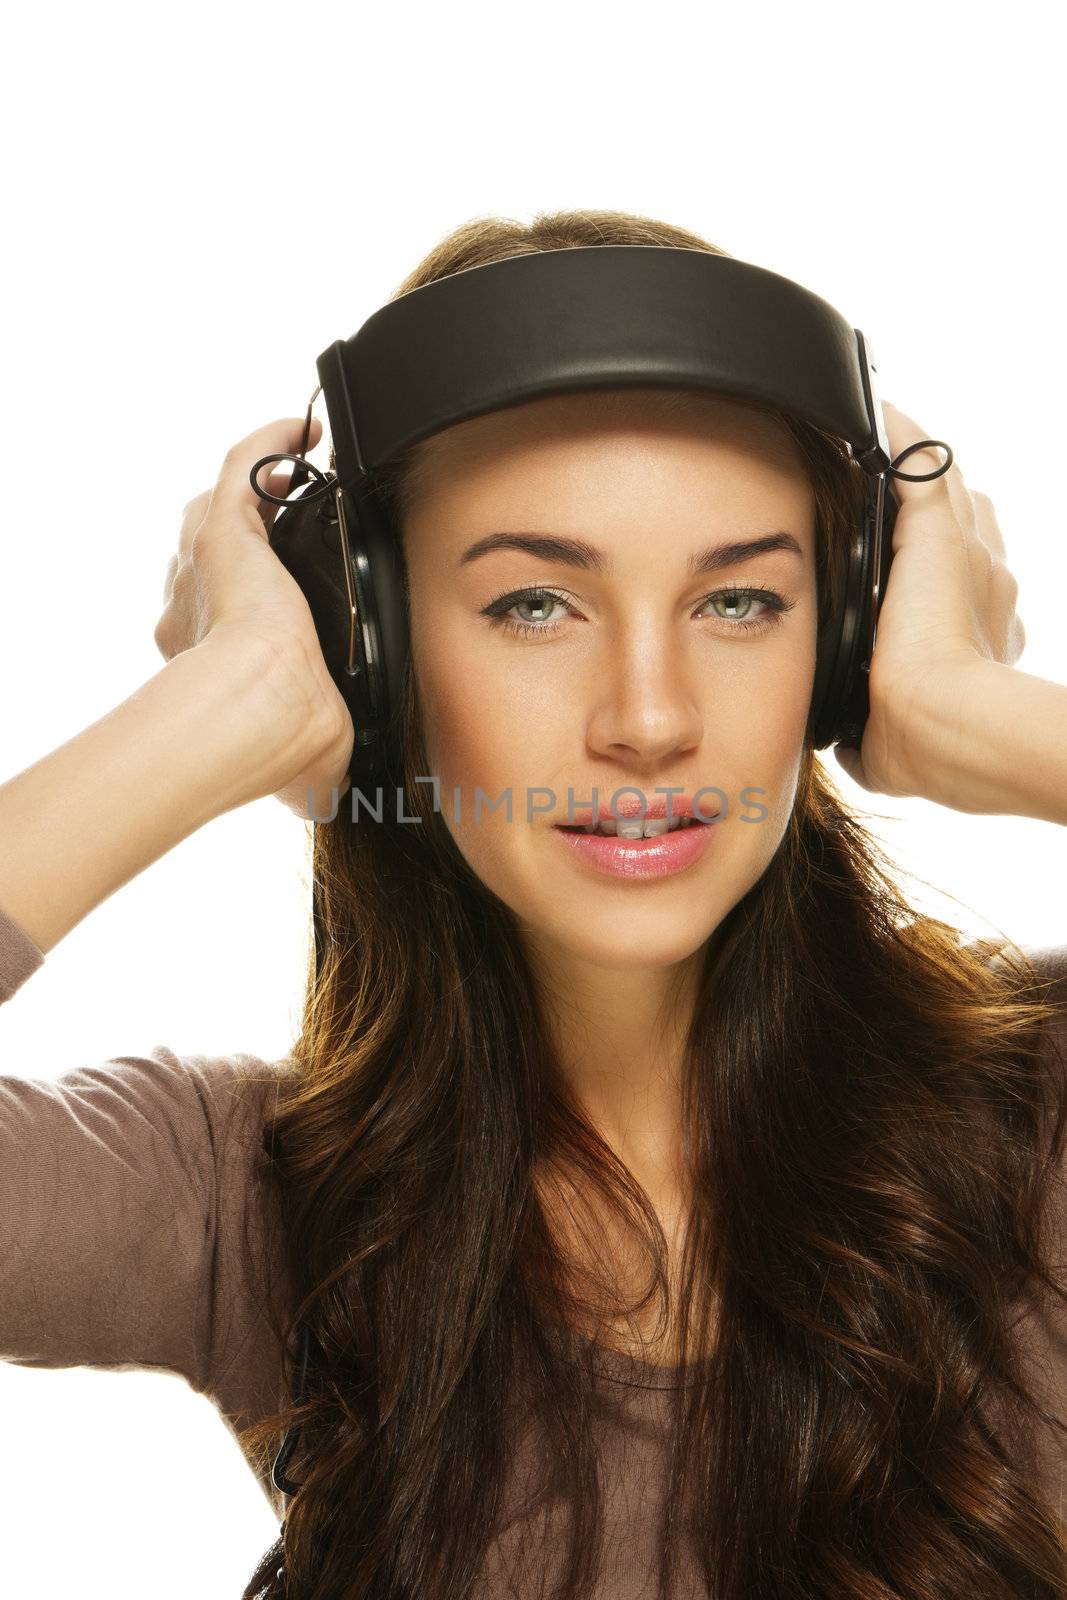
x: 198, y: 201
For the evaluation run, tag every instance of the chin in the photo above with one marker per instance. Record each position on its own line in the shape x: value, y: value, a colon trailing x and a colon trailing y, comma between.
x: 630, y: 940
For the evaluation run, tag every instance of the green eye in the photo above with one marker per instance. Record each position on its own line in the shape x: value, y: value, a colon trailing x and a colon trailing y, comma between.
x: 539, y: 599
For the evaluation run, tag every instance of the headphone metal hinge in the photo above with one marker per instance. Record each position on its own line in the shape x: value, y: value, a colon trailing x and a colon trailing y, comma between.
x: 877, y: 456
x: 351, y: 666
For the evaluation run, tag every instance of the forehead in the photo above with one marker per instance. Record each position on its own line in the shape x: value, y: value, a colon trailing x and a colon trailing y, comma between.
x: 739, y: 434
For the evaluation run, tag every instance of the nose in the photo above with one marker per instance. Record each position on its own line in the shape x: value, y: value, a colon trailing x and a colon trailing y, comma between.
x: 646, y: 707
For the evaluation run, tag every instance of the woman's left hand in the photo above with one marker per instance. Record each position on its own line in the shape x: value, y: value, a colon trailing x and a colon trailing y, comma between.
x: 947, y: 615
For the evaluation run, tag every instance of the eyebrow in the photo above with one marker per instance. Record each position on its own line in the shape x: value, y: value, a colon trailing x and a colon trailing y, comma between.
x: 579, y: 553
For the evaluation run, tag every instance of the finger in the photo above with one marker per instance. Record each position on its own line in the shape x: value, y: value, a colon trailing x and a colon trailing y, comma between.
x: 1004, y: 621
x: 193, y: 514
x: 168, y: 582
x: 988, y: 527
x: 278, y: 483
x: 947, y: 494
x: 233, y: 493
x: 966, y: 518
x: 936, y: 518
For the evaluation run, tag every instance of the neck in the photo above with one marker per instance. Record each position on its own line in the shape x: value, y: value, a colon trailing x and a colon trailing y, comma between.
x: 619, y: 1035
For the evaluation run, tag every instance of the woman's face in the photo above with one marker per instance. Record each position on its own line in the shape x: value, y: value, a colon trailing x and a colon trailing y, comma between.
x: 635, y: 670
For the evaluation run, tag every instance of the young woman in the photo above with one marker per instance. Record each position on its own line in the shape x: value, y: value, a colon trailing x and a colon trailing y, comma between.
x: 665, y: 1221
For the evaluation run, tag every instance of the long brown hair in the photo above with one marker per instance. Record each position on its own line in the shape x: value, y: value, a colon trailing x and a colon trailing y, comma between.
x: 872, y: 1146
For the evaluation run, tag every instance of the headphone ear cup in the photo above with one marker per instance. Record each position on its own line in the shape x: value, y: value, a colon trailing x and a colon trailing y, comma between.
x: 840, y: 702
x: 381, y: 577
x: 306, y: 536
x: 834, y: 651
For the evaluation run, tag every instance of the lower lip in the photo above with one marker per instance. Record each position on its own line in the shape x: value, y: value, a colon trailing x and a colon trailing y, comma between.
x: 640, y: 858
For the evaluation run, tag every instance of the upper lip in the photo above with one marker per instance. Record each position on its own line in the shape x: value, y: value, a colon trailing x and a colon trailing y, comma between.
x: 628, y: 807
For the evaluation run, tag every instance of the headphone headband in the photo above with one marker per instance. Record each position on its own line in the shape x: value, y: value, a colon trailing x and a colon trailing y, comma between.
x: 614, y: 316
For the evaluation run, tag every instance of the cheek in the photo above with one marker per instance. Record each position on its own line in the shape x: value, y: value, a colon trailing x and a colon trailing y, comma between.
x: 466, y: 732
x: 493, y: 740
x: 754, y: 719
x: 477, y: 739
x: 477, y: 718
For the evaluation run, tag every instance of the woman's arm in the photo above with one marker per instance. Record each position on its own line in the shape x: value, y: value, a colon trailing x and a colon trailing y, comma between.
x: 219, y: 725
x: 951, y: 718
x: 245, y: 707
x: 1005, y: 749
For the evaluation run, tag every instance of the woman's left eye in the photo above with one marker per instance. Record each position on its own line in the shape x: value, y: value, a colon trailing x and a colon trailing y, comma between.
x: 543, y: 600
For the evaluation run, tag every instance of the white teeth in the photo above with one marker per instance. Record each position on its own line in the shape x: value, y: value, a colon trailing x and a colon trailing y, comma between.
x: 651, y: 828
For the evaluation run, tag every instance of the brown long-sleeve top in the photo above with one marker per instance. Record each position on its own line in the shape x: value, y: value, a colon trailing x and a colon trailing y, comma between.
x: 125, y: 1191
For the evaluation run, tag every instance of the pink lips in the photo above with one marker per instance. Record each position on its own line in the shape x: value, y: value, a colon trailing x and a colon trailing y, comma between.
x: 640, y: 858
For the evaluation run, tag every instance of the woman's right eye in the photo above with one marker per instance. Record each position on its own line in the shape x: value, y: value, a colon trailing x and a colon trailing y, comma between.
x: 536, y: 599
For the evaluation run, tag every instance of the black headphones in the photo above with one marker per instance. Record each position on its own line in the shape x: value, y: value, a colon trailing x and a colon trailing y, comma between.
x: 604, y: 316
x: 488, y: 337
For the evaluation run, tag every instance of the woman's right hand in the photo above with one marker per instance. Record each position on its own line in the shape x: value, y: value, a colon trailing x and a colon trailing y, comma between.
x: 226, y: 588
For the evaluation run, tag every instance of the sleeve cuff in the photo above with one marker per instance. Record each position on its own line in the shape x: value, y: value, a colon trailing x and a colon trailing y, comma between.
x: 19, y: 956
